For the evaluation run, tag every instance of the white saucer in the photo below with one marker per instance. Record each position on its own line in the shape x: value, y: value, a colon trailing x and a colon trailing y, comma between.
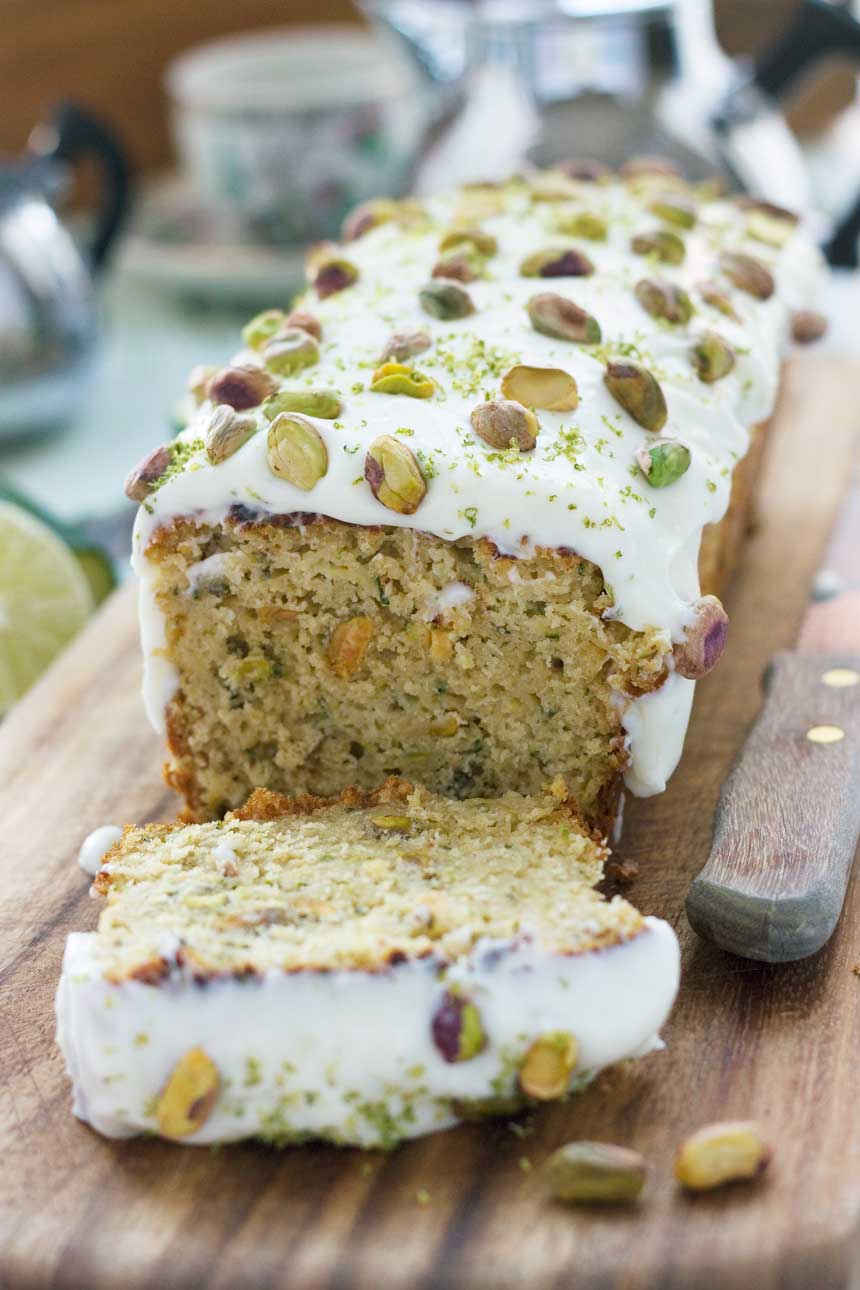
x: 177, y: 245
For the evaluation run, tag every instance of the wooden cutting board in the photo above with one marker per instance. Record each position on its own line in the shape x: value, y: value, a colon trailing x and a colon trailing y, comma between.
x: 463, y: 1210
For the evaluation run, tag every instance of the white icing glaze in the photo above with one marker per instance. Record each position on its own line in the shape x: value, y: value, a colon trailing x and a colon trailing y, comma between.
x: 96, y: 845
x: 456, y: 593
x: 579, y: 488
x: 343, y: 1054
x: 656, y: 725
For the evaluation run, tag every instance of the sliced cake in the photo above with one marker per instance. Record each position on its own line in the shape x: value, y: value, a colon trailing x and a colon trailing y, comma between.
x: 361, y: 970
x: 453, y: 516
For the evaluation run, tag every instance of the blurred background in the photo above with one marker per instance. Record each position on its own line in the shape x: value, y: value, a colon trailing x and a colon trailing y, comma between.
x: 163, y: 167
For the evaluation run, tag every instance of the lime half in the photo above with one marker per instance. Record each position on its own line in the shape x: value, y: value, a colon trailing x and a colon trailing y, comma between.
x: 45, y: 599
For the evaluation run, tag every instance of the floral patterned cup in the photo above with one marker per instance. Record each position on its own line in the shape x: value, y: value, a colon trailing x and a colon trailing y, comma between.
x: 281, y: 132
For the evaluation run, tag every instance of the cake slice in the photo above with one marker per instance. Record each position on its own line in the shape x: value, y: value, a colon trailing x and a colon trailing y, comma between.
x: 361, y: 970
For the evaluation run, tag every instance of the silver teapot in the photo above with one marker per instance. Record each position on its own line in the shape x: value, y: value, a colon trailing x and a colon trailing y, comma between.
x: 48, y: 321
x: 543, y: 80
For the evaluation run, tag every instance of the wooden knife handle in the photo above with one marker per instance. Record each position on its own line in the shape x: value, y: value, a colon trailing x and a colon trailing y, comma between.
x: 788, y: 818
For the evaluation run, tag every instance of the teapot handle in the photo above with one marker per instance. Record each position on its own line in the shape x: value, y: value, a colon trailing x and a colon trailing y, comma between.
x: 73, y: 133
x: 820, y: 28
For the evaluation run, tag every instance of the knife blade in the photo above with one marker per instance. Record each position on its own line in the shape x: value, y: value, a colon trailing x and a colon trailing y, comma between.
x: 788, y: 819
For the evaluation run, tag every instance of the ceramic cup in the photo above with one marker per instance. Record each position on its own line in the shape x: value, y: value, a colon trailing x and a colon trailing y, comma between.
x: 281, y: 132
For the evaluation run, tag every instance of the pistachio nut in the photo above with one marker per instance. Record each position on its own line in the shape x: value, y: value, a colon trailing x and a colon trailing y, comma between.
x: 712, y: 357
x: 198, y: 378
x: 586, y: 1172
x: 540, y: 387
x: 189, y: 1096
x: 662, y: 244
x: 557, y: 262
x: 639, y: 393
x: 807, y: 326
x: 226, y: 432
x: 397, y: 378
x: 674, y: 208
x: 367, y: 216
x: 584, y: 169
x: 551, y: 186
x: 555, y: 315
x: 548, y: 1065
x: 456, y: 238
x: 456, y: 1028
x: 637, y: 166
x: 446, y: 300
x: 290, y: 351
x: 263, y: 327
x: 717, y: 299
x: 663, y: 461
x: 325, y: 404
x: 704, y: 641
x: 296, y: 451
x: 306, y: 320
x: 392, y: 823
x: 460, y: 266
x: 347, y: 646
x: 404, y: 344
x: 748, y: 274
x: 745, y: 202
x: 765, y: 228
x: 711, y: 188
x: 664, y: 300
x: 721, y: 1153
x: 445, y: 727
x: 394, y: 475
x: 242, y: 386
x: 141, y: 481
x: 582, y: 224
x: 318, y: 254
x: 474, y: 1110
x: 504, y: 422
x: 334, y: 275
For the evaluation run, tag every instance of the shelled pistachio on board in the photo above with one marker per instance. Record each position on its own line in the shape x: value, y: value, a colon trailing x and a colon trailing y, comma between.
x: 601, y: 1172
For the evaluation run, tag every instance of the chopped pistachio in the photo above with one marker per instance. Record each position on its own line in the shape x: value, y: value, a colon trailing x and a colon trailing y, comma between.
x: 717, y: 299
x: 704, y: 641
x: 392, y: 823
x: 296, y: 451
x: 459, y: 266
x: 674, y: 208
x: 146, y: 474
x: 748, y: 274
x: 290, y: 350
x: 585, y: 1172
x: 333, y: 275
x: 348, y: 645
x: 582, y: 224
x: 189, y: 1096
x: 721, y: 1153
x: 226, y: 432
x: 394, y: 475
x: 263, y: 327
x: 504, y: 422
x: 367, y: 216
x: 325, y: 404
x: 397, y: 378
x: 457, y: 238
x: 456, y: 1028
x: 663, y: 461
x: 241, y: 386
x: 445, y: 299
x: 403, y: 345
x: 306, y: 320
x: 557, y: 262
x: 712, y: 357
x: 540, y: 387
x: 548, y: 1065
x: 638, y: 392
x: 555, y: 315
x: 662, y: 244
x: 664, y: 300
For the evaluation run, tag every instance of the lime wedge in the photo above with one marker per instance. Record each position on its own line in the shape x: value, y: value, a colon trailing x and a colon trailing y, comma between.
x: 45, y: 599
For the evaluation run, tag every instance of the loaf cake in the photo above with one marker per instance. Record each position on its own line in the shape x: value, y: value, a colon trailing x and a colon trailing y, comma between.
x: 360, y: 970
x: 445, y: 518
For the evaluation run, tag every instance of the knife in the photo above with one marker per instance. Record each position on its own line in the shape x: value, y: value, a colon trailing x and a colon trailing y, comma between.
x: 788, y: 818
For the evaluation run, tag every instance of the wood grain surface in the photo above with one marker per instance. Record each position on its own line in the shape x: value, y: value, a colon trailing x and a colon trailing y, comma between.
x: 779, y: 1043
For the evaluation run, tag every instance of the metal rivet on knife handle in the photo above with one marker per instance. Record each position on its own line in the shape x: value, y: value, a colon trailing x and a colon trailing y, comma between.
x: 825, y: 734
x: 839, y: 678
